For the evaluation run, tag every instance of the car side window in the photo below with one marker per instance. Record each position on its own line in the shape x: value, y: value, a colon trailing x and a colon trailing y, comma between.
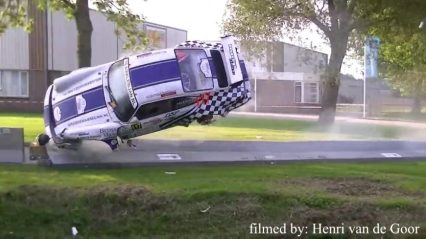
x: 195, y: 74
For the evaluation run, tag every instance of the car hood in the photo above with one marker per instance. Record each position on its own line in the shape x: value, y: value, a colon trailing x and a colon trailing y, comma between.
x: 78, y: 93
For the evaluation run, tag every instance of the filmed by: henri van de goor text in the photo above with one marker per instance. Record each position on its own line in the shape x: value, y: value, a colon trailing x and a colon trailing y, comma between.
x: 324, y: 229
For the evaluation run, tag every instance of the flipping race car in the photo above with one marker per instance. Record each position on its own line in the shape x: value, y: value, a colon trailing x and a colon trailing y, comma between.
x: 145, y: 93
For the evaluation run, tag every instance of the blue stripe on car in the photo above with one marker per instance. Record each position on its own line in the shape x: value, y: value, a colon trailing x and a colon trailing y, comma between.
x: 94, y: 100
x: 156, y: 73
x: 46, y: 116
x: 244, y: 70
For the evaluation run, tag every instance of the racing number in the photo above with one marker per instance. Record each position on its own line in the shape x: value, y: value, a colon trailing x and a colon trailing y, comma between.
x: 136, y: 126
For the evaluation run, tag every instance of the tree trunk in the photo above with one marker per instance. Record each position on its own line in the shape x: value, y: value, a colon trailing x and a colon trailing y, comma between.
x: 332, y: 81
x: 417, y: 105
x: 84, y: 29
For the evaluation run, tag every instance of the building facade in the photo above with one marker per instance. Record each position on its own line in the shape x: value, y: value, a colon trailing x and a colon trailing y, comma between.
x: 287, y: 79
x: 29, y: 62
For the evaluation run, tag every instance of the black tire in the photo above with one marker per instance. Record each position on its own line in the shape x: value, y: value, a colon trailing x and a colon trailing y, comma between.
x: 43, y: 139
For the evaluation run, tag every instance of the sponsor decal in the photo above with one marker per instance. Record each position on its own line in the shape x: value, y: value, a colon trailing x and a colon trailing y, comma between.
x: 170, y: 93
x: 171, y: 115
x: 153, y: 121
x: 91, y: 137
x: 81, y: 104
x: 203, y: 99
x: 92, y: 82
x: 108, y: 132
x: 136, y: 126
x: 232, y: 60
x: 92, y: 118
x: 161, y: 94
x: 185, y: 101
x: 57, y: 113
x: 129, y: 84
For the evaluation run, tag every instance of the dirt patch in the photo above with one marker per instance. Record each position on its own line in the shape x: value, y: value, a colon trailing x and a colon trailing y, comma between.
x: 352, y: 186
x: 359, y: 187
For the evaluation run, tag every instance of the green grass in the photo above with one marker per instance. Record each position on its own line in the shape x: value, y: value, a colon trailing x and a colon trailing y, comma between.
x: 245, y: 128
x: 32, y: 123
x: 147, y: 203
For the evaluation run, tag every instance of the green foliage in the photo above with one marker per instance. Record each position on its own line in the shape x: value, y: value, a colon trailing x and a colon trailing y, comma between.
x: 127, y: 23
x: 13, y: 14
x: 403, y: 44
x: 259, y: 20
x: 117, y: 11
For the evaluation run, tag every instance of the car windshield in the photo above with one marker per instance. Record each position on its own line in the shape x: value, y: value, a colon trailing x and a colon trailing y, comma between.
x: 195, y: 70
x: 118, y: 89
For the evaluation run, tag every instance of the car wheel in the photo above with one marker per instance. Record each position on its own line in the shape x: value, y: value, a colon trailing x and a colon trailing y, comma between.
x: 43, y: 139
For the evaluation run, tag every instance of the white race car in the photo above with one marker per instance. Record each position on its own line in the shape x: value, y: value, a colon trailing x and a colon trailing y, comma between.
x: 145, y: 93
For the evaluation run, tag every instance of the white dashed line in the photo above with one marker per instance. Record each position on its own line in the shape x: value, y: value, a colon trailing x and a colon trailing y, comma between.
x: 391, y: 155
x: 169, y: 157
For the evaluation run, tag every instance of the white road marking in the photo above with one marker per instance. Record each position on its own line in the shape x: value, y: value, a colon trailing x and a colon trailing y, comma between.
x: 169, y: 157
x: 391, y: 155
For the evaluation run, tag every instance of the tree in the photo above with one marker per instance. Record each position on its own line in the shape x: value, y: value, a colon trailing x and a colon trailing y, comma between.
x: 403, y: 48
x: 13, y: 13
x: 260, y: 20
x: 117, y: 11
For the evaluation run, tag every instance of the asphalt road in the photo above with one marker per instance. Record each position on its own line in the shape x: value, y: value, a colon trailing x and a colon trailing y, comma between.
x: 149, y: 152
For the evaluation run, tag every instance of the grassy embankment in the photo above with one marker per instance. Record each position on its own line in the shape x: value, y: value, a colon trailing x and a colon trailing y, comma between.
x: 148, y: 203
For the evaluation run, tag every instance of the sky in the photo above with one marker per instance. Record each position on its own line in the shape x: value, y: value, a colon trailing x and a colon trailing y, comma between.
x: 202, y: 19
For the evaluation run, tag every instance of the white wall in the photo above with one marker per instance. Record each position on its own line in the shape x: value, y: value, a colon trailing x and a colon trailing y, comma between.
x: 62, y: 42
x: 106, y: 46
x: 175, y: 37
x: 299, y: 64
x: 14, y: 52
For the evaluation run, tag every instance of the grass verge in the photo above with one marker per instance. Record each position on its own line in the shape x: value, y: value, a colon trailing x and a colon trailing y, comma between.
x: 209, y: 202
x: 245, y: 128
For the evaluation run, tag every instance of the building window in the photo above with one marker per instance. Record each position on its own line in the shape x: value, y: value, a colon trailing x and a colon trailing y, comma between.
x: 306, y: 92
x: 298, y: 92
x: 311, y: 92
x: 156, y: 37
x: 13, y: 83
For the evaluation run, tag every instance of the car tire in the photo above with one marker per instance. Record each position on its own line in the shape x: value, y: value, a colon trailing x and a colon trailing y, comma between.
x: 43, y: 139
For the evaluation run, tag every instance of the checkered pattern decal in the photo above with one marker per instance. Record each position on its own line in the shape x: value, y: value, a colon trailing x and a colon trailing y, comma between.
x: 217, y: 103
x: 202, y: 44
x: 214, y: 103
